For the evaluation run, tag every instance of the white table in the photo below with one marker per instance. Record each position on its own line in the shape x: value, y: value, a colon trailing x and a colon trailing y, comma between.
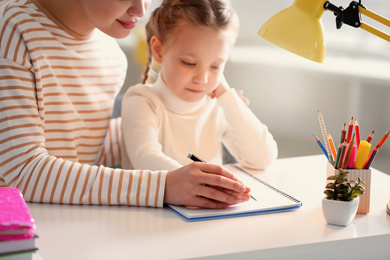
x: 111, y: 232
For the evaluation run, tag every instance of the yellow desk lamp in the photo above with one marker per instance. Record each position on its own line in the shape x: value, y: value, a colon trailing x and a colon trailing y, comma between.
x: 298, y: 28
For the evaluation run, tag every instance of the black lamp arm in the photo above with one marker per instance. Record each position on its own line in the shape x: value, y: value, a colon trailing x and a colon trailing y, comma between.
x: 350, y: 15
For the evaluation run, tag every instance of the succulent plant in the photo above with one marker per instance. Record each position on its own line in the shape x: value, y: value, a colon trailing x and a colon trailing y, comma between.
x: 342, y: 189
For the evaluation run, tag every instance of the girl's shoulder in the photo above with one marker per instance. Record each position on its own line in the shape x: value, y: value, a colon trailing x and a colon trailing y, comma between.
x: 142, y: 97
x: 141, y: 92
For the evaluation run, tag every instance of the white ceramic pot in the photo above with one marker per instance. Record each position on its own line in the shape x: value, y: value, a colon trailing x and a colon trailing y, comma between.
x: 340, y: 213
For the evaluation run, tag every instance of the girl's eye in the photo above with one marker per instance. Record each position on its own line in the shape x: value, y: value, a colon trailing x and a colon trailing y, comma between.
x: 215, y: 67
x: 188, y: 63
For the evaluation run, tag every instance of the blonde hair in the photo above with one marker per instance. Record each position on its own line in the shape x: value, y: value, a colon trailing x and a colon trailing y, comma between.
x: 215, y: 14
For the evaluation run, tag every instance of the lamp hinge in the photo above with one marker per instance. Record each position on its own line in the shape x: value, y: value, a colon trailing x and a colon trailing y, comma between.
x: 350, y: 15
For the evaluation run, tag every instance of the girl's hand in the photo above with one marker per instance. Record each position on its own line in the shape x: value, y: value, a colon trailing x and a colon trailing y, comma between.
x: 223, y: 87
x: 240, y: 93
x: 204, y: 185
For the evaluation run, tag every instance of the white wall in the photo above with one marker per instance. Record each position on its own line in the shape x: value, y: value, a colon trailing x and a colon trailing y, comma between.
x: 286, y: 90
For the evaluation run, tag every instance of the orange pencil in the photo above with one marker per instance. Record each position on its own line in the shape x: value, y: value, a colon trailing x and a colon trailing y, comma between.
x: 383, y: 140
x: 350, y: 129
x: 369, y: 138
x: 332, y: 145
x: 357, y: 132
x: 379, y: 145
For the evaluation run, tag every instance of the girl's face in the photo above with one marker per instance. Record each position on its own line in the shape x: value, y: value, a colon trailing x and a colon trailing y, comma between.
x: 114, y: 17
x: 192, y: 60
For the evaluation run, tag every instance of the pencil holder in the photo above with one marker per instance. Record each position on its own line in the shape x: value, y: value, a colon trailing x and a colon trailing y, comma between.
x: 365, y: 175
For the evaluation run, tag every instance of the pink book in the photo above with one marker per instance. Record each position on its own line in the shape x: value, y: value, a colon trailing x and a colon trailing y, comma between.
x: 16, y: 221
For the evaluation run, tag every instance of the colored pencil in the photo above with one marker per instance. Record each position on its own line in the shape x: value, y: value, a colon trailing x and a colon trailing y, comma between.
x: 375, y: 151
x: 321, y: 146
x: 324, y: 135
x: 357, y: 132
x: 352, y: 157
x: 350, y: 129
x: 379, y: 144
x: 383, y: 140
x: 339, y: 149
x: 348, y: 153
x: 332, y: 145
x: 343, y: 134
x: 369, y: 138
x: 342, y: 155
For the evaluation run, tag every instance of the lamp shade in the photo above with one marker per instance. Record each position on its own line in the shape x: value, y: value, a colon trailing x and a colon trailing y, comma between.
x: 298, y: 29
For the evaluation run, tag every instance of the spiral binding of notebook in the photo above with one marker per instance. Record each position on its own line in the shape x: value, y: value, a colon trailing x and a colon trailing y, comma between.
x: 264, y: 183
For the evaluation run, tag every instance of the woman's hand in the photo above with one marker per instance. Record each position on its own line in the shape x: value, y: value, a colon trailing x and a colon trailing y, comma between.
x: 204, y: 185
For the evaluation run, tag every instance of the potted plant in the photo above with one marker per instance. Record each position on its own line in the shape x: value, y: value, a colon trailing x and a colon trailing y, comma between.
x: 342, y: 198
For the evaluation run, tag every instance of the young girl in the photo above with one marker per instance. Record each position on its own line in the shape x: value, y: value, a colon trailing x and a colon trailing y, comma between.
x: 60, y: 70
x: 190, y: 107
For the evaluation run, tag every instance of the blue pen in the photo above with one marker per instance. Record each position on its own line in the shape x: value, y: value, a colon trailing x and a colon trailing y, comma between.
x: 321, y: 146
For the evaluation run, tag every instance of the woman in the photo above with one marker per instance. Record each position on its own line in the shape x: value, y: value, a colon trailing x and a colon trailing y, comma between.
x: 60, y: 72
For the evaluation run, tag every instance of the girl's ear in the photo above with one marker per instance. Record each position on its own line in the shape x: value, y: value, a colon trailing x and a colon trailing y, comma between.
x: 156, y: 48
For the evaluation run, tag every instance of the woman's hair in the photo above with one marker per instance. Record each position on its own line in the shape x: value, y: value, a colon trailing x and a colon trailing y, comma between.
x: 215, y: 14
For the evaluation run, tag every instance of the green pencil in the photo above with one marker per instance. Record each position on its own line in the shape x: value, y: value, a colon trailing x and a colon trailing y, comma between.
x: 338, y: 156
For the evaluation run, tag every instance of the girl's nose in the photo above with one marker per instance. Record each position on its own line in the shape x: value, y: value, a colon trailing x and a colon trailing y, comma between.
x: 201, y: 76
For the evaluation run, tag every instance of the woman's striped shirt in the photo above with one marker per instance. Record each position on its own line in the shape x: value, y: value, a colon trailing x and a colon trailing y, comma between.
x: 57, y: 136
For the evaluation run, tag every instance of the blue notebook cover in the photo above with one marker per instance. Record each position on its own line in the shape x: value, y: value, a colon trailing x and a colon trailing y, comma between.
x: 266, y: 199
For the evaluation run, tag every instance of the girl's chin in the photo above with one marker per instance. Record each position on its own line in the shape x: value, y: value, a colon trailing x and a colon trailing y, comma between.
x: 193, y: 99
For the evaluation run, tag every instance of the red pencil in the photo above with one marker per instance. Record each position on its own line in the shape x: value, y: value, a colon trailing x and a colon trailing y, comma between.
x: 350, y: 129
x: 369, y: 138
x: 357, y: 132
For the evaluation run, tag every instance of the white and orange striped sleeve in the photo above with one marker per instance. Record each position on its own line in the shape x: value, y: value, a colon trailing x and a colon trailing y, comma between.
x: 26, y: 164
x: 110, y: 154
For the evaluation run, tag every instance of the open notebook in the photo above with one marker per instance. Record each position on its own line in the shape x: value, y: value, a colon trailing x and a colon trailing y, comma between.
x: 266, y: 199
